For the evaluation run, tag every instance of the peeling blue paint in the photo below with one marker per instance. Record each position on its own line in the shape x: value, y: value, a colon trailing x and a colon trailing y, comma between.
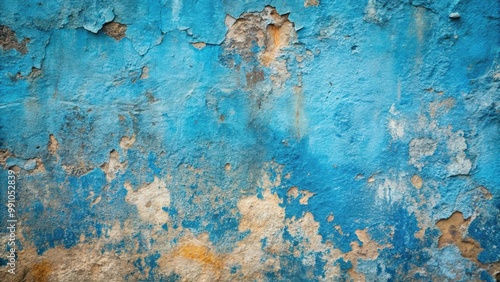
x: 269, y: 141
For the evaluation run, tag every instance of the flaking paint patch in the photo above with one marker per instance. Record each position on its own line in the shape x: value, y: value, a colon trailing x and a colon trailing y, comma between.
x: 367, y: 251
x: 454, y: 230
x: 115, y: 29
x: 306, y: 195
x: 420, y: 148
x: 416, y: 181
x: 311, y: 3
x: 127, y: 142
x: 270, y: 31
x: 113, y: 166
x: 199, y: 45
x: 459, y: 163
x: 150, y: 199
x: 8, y: 40
x: 53, y: 145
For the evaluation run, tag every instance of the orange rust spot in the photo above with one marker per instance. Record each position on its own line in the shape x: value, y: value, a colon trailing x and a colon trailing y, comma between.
x: 199, y: 254
x: 278, y: 37
x: 41, y: 271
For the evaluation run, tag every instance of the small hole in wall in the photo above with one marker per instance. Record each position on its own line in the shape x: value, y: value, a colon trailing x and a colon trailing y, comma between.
x: 38, y: 147
x: 354, y: 47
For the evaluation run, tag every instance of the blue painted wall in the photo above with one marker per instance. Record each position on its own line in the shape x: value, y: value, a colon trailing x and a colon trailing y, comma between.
x: 250, y: 140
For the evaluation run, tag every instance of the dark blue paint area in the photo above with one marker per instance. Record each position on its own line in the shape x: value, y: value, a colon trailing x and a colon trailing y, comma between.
x: 344, y: 265
x: 409, y: 249
x: 485, y: 229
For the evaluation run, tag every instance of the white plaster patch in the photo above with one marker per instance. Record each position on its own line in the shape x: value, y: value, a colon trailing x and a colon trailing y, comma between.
x: 459, y: 163
x: 419, y: 148
x: 150, y: 199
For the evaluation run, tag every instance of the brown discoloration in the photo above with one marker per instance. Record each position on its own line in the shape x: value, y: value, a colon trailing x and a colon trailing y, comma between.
x: 144, y: 72
x: 453, y: 231
x: 279, y: 36
x: 371, y: 179
x: 254, y: 77
x: 9, y: 41
x: 330, y: 218
x: 199, y: 45
x: 271, y: 32
x: 416, y: 181
x: 368, y: 251
x: 4, y: 155
x: 41, y: 271
x: 309, y: 3
x: 53, y: 145
x: 487, y: 195
x: 200, y: 254
x: 115, y: 30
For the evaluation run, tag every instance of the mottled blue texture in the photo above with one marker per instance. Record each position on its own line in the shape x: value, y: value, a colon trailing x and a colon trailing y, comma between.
x: 383, y: 116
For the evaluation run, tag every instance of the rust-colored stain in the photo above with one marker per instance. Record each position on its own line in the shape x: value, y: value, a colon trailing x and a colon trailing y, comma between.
x: 200, y: 254
x: 41, y: 271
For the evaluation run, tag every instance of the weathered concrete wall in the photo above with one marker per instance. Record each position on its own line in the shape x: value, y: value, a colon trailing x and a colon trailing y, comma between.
x: 250, y: 140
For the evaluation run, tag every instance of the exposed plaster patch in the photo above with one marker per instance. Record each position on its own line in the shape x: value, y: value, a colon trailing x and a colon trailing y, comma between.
x: 9, y: 41
x: 229, y: 21
x: 4, y: 155
x: 271, y: 32
x: 310, y: 3
x: 304, y: 200
x: 199, y: 45
x: 367, y: 251
x: 254, y: 77
x: 487, y: 195
x: 397, y: 129
x: 144, y: 72
x: 62, y: 264
x: 416, y: 181
x: 194, y: 259
x: 34, y: 166
x: 292, y: 193
x: 419, y: 148
x: 114, y: 165
x: 115, y: 29
x: 436, y: 106
x: 459, y: 163
x: 150, y: 200
x: 127, y: 142
x: 330, y: 218
x: 53, y: 145
x: 453, y: 231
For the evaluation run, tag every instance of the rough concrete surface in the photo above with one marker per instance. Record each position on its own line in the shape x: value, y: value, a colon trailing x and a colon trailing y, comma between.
x: 212, y: 140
